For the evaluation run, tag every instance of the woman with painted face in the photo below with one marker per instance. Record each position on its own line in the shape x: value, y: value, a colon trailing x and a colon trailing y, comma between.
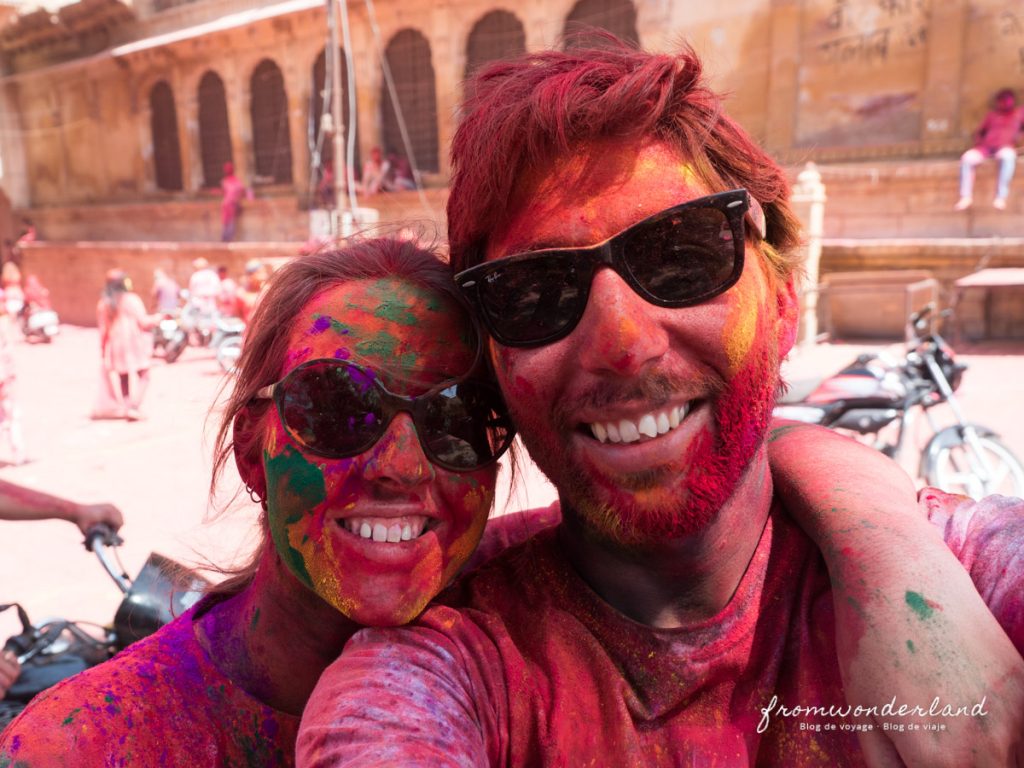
x: 357, y: 425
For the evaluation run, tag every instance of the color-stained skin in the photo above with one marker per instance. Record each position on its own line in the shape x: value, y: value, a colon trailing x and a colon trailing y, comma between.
x: 715, y: 365
x: 338, y: 524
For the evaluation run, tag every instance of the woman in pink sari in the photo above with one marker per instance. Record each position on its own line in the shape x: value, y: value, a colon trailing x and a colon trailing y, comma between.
x: 126, y: 346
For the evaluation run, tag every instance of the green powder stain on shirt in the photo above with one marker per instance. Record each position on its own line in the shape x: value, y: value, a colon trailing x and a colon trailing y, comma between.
x: 910, y: 646
x: 919, y: 605
x: 71, y: 717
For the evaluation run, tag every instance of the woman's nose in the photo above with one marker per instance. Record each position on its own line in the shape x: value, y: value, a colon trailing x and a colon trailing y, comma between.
x: 620, y: 331
x: 397, y: 459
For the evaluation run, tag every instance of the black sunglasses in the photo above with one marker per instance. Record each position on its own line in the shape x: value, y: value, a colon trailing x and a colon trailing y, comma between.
x: 337, y: 409
x: 679, y: 257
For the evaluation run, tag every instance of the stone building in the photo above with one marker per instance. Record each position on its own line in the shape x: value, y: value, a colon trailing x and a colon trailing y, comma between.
x: 118, y: 115
x: 107, y: 103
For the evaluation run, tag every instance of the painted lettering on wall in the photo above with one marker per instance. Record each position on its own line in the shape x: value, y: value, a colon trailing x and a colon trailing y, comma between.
x: 863, y: 68
x: 868, y: 31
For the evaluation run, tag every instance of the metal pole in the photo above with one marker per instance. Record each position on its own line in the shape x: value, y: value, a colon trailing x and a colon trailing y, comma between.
x: 336, y: 114
x: 808, y: 200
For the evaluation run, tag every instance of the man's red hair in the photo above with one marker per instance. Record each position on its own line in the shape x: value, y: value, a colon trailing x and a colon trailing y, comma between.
x: 525, y: 112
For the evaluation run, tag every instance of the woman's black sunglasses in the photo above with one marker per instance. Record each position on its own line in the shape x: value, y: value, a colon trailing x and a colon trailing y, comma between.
x: 337, y: 409
x: 682, y: 256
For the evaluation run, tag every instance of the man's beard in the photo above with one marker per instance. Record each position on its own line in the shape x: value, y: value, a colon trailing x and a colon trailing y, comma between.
x: 649, y: 507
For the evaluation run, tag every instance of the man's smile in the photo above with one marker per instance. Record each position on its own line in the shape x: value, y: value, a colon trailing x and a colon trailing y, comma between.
x: 636, y: 450
x: 645, y: 427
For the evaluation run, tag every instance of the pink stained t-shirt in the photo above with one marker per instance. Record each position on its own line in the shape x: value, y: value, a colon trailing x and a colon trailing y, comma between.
x: 1000, y: 129
x: 523, y: 665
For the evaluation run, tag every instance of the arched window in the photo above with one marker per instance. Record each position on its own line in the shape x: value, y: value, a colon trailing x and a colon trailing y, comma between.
x: 214, y: 135
x: 408, y: 56
x: 317, y: 107
x: 271, y: 139
x: 163, y: 122
x: 616, y: 16
x: 497, y: 35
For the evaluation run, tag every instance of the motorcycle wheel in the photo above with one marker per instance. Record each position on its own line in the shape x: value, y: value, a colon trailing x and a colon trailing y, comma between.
x: 228, y: 352
x: 957, y: 470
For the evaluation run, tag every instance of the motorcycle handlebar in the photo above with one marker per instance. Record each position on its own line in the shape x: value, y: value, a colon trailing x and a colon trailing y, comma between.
x: 100, y: 539
x: 101, y: 534
x: 922, y: 314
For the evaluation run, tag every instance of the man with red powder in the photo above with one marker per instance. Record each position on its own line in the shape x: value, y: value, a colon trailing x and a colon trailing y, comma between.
x: 632, y: 254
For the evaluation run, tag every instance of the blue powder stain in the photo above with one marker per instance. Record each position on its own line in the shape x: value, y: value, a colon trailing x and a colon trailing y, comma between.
x: 321, y: 323
x: 341, y: 354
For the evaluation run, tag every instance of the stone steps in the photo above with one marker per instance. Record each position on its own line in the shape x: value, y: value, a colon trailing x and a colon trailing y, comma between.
x: 913, y: 199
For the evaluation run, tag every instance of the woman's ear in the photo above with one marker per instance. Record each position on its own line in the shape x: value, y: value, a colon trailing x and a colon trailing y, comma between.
x: 248, y: 449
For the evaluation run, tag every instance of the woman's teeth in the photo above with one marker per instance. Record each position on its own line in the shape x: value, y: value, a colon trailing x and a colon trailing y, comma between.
x: 647, y: 426
x: 384, y: 529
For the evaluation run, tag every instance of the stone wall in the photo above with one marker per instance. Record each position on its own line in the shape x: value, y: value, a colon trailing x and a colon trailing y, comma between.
x: 946, y: 260
x: 278, y: 218
x: 915, y: 199
x: 75, y: 272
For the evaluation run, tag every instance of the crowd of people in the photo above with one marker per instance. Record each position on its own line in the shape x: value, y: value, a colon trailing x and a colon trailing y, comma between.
x: 620, y: 291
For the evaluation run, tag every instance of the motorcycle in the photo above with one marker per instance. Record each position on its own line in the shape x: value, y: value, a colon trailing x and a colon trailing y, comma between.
x: 39, y: 323
x: 55, y: 649
x: 170, y: 338
x: 879, y: 391
x: 228, y: 352
x: 200, y: 328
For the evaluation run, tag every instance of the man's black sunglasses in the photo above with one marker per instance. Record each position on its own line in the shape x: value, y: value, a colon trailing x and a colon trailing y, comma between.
x: 337, y: 409
x: 679, y: 257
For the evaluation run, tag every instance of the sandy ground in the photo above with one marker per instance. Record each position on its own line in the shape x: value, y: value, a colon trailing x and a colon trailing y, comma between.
x: 157, y: 470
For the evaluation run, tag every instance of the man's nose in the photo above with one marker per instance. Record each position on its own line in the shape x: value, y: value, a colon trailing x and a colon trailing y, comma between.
x: 620, y: 332
x: 397, y: 461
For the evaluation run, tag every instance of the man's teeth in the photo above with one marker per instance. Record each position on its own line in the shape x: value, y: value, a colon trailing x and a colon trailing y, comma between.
x: 649, y: 425
x: 384, y: 529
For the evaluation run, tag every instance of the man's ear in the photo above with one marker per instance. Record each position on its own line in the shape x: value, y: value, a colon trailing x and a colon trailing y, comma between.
x: 789, y: 316
x: 248, y: 449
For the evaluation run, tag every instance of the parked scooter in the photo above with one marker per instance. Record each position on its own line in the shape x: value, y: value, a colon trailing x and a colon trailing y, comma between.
x: 55, y: 649
x: 876, y: 391
x: 169, y: 338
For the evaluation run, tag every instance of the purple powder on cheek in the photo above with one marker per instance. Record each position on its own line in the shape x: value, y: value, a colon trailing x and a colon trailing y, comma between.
x: 321, y: 324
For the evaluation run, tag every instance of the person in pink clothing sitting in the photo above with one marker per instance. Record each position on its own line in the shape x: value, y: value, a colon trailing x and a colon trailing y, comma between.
x: 995, y: 138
